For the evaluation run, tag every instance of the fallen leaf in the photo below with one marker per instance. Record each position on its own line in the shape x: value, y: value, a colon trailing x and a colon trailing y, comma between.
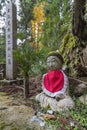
x: 49, y: 116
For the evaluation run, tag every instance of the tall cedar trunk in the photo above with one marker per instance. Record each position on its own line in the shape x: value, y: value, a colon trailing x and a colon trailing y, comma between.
x: 26, y: 87
x: 79, y: 29
x: 79, y: 25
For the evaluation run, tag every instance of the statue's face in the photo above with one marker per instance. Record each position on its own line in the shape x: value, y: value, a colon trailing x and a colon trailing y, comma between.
x: 54, y: 63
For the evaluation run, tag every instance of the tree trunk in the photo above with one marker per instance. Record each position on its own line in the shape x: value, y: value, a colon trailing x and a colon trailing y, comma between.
x: 26, y: 87
x: 79, y: 24
x: 79, y: 29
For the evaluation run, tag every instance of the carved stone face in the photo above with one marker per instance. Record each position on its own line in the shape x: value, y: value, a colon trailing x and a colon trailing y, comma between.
x: 54, y: 63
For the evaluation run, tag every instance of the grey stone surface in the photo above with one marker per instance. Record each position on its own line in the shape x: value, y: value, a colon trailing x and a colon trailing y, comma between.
x: 61, y: 105
x: 11, y: 40
x: 83, y: 99
x: 80, y: 89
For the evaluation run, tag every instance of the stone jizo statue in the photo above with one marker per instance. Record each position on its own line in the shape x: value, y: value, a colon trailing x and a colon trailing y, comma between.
x: 55, y: 82
x: 55, y: 85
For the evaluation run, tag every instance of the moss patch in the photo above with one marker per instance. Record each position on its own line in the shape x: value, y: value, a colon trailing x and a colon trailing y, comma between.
x: 70, y: 52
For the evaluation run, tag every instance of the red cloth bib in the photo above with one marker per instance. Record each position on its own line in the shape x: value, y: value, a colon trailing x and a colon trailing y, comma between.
x: 54, y: 80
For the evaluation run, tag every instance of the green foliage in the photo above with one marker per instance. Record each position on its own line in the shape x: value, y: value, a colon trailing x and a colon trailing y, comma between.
x: 79, y: 113
x: 54, y: 124
x: 24, y: 23
x: 2, y: 48
x: 39, y: 66
x: 58, y: 15
x: 31, y: 61
x: 25, y: 56
x: 74, y: 119
x: 26, y: 15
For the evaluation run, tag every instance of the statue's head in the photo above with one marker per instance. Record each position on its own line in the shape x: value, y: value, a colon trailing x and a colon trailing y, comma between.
x: 54, y: 60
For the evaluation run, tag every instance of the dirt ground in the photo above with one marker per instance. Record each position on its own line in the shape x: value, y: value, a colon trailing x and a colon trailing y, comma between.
x: 16, y: 112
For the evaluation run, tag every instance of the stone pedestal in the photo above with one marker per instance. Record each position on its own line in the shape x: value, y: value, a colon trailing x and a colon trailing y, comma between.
x: 61, y: 105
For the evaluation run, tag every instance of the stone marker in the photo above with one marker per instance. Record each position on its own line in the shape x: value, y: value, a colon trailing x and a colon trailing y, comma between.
x: 11, y: 40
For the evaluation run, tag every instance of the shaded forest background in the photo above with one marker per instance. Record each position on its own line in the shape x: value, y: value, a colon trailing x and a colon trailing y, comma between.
x: 47, y: 25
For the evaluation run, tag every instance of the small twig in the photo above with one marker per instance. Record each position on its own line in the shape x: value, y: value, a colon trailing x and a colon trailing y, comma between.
x: 78, y: 80
x: 19, y: 87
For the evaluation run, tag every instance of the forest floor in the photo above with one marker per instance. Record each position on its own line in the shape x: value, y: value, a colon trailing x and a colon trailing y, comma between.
x: 16, y: 113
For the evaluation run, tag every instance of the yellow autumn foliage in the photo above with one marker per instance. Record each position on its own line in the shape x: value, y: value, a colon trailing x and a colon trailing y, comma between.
x: 39, y: 18
x: 39, y: 13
